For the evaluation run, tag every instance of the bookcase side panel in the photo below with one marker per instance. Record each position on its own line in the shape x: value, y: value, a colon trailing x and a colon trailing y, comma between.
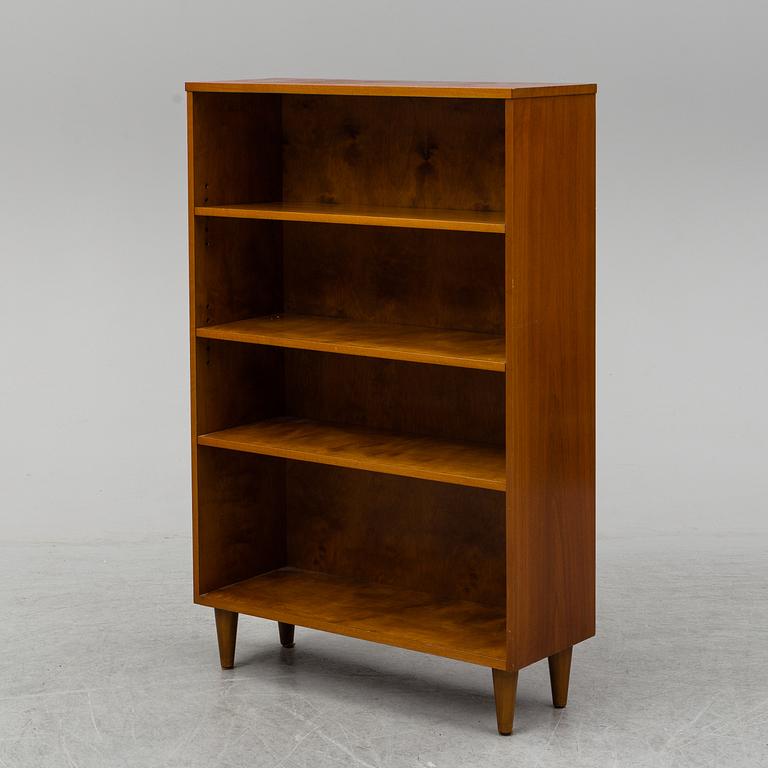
x: 238, y: 269
x: 238, y: 503
x: 237, y: 148
x: 241, y: 516
x: 192, y: 338
x: 550, y: 379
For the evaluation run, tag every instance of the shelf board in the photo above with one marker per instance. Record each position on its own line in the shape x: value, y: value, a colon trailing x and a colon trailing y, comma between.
x: 461, y: 349
x: 427, y: 458
x: 418, y: 621
x: 376, y: 216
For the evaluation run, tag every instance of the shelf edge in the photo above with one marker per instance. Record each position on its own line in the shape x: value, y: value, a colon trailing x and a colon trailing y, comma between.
x: 353, y: 219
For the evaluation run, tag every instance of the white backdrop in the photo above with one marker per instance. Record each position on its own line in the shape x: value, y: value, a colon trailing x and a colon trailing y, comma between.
x: 93, y: 363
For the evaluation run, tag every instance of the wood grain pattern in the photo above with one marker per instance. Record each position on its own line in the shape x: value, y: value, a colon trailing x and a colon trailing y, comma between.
x: 229, y: 157
x: 372, y: 216
x: 235, y: 138
x: 472, y: 464
x: 406, y: 153
x: 243, y: 383
x: 241, y: 517
x: 427, y: 89
x: 550, y: 290
x: 408, y: 619
x: 354, y: 337
x: 454, y: 404
x: 407, y: 276
x: 444, y: 539
x: 505, y: 693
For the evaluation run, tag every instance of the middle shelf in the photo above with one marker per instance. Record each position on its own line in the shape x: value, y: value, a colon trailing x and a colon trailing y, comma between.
x: 462, y: 349
x: 460, y: 463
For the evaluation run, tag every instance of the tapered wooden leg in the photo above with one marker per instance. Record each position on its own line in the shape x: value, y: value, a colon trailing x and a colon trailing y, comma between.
x: 226, y: 632
x: 504, y: 691
x: 286, y: 634
x: 559, y: 675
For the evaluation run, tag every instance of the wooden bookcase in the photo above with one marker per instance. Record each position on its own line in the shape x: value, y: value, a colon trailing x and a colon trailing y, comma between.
x: 392, y: 297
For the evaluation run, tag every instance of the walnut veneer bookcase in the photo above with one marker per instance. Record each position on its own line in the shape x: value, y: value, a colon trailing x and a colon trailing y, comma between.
x: 392, y: 319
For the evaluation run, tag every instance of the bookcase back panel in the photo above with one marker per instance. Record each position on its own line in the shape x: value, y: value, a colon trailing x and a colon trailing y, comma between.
x: 412, y: 276
x: 409, y: 152
x: 434, y: 400
x: 238, y: 270
x: 240, y: 516
x: 443, y: 539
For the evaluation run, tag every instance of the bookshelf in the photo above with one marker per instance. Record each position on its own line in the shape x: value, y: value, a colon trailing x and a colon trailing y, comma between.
x: 392, y: 365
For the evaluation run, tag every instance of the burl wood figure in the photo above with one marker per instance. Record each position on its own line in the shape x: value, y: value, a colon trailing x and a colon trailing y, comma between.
x: 393, y: 365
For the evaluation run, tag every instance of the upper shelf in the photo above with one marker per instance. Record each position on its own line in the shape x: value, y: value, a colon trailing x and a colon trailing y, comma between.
x: 376, y: 216
x: 461, y: 349
x: 452, y: 90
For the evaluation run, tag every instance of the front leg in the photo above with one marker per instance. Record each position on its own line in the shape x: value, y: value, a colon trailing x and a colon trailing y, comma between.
x: 226, y: 632
x: 505, y: 691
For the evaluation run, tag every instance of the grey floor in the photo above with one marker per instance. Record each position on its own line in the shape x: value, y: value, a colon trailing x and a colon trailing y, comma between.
x: 105, y: 662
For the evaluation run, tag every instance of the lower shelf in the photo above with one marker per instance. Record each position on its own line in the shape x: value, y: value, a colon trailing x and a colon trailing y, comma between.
x: 455, y: 629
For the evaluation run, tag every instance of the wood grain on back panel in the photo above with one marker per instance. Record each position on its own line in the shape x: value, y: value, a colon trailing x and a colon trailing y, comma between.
x: 414, y: 277
x: 442, y: 539
x: 409, y: 153
x: 409, y: 398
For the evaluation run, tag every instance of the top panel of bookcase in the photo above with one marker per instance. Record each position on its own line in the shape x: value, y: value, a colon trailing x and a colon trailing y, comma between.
x: 450, y: 90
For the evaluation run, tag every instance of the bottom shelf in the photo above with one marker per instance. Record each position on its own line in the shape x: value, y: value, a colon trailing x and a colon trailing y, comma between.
x: 456, y: 629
